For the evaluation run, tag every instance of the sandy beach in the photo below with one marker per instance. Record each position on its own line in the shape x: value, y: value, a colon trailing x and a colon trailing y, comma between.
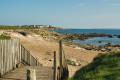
x: 43, y: 51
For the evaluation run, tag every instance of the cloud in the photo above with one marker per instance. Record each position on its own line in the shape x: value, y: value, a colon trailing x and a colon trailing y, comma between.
x: 115, y: 4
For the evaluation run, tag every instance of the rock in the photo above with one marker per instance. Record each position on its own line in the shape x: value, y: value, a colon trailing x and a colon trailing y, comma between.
x: 118, y: 36
x: 51, y: 60
x: 77, y: 64
x: 115, y: 35
x: 48, y: 53
x: 109, y: 48
x: 101, y: 46
x: 100, y: 41
x: 103, y: 50
x: 110, y: 36
x: 109, y: 44
x: 73, y: 60
x: 118, y: 45
x: 23, y: 33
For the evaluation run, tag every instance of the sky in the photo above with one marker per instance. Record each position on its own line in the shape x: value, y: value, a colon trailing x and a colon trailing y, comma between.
x: 85, y: 14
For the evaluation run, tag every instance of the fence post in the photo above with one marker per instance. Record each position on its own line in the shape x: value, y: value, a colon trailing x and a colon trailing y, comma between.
x: 31, y: 74
x: 60, y: 52
x: 55, y: 66
x: 0, y: 57
x: 63, y: 58
x: 60, y: 59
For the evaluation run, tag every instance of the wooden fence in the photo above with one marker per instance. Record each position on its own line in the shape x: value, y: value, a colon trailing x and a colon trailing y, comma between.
x: 9, y: 55
x: 27, y: 58
x: 60, y: 65
x: 12, y: 53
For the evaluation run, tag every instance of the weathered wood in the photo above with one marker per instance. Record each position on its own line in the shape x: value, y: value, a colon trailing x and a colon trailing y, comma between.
x: 8, y: 55
x: 60, y: 52
x: 55, y: 67
x: 12, y: 53
x: 31, y: 74
x: 42, y: 73
x: 27, y: 58
x: 63, y: 67
x: 1, y: 59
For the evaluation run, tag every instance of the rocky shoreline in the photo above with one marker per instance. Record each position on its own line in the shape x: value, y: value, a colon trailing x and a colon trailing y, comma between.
x: 85, y: 36
x: 69, y: 38
x: 104, y: 48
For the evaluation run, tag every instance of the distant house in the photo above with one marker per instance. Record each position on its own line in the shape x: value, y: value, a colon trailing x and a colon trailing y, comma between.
x: 38, y: 26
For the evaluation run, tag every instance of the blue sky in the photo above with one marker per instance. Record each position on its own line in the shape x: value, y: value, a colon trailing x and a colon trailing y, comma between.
x: 61, y: 13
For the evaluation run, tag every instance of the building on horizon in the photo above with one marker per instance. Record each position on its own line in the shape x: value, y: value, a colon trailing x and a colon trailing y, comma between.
x: 37, y: 26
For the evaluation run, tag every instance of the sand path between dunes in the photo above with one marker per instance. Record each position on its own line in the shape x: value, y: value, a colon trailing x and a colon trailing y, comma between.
x: 43, y: 51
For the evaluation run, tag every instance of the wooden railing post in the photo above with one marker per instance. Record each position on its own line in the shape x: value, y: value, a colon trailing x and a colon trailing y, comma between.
x: 55, y: 66
x: 60, y: 53
x: 31, y: 74
x: 63, y: 58
x: 63, y: 67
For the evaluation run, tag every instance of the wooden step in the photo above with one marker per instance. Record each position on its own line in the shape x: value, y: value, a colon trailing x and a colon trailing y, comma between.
x: 42, y: 73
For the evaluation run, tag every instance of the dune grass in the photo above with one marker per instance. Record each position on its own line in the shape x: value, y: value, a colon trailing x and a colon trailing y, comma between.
x: 104, y: 67
x: 3, y: 37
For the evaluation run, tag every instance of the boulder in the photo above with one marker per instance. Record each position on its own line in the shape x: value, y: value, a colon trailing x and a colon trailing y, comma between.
x: 118, y: 45
x: 73, y: 60
x: 103, y: 50
x: 51, y: 60
x: 101, y: 46
x: 100, y: 41
x: 109, y: 44
x: 118, y: 36
x: 77, y: 64
x: 110, y: 36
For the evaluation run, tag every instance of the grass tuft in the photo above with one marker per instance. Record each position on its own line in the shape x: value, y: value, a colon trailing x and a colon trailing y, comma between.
x: 3, y: 37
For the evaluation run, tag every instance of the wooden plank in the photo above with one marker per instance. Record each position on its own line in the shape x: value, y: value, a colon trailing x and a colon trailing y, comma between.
x: 55, y: 67
x: 20, y: 55
x: 2, y: 59
x: 10, y: 53
x: 0, y: 56
x: 7, y: 56
x: 31, y: 74
x: 60, y: 53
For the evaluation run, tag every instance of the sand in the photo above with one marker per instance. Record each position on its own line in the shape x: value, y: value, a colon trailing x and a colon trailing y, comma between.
x: 43, y: 51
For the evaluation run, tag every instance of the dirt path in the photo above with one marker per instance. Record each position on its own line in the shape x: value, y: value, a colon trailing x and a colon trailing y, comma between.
x: 43, y: 51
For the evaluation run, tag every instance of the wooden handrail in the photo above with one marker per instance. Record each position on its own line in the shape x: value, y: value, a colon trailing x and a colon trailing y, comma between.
x: 62, y: 67
x: 27, y: 58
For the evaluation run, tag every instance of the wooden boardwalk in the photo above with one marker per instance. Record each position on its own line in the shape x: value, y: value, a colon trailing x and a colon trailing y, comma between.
x: 12, y: 53
x: 42, y: 73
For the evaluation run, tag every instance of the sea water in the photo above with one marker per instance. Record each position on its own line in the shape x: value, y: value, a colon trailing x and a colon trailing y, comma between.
x: 95, y: 41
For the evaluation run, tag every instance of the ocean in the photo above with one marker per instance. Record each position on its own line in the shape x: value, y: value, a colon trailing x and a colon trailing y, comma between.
x: 95, y: 41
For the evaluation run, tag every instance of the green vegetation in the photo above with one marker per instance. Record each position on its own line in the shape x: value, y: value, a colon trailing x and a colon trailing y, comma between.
x: 3, y: 37
x: 104, y: 67
x: 14, y: 27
